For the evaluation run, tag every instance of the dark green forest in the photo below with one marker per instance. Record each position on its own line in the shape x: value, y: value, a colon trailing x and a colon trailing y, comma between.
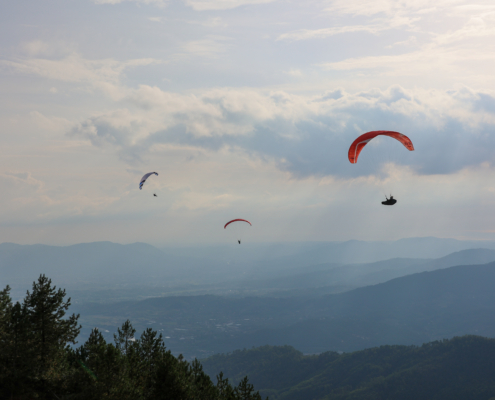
x: 457, y: 369
x: 39, y: 359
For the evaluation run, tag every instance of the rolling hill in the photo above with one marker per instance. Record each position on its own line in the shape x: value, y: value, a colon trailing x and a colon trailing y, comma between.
x: 457, y: 369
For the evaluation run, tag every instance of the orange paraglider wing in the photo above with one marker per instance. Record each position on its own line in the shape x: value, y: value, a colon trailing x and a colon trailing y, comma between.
x: 363, y: 140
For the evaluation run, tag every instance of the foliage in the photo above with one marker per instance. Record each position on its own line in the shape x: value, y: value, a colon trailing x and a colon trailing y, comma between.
x: 34, y: 338
x: 460, y: 368
x: 36, y: 360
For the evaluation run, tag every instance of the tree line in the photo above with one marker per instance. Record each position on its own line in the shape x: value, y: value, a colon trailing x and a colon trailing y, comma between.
x: 449, y: 369
x: 38, y: 359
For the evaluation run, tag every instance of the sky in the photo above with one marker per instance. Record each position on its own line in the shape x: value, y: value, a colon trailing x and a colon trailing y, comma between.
x: 246, y: 109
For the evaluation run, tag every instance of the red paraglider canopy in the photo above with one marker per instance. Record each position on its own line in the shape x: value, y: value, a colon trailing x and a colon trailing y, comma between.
x: 362, y: 140
x: 234, y: 220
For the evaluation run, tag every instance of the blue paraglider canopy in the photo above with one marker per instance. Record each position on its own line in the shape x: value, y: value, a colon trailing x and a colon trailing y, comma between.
x: 146, y: 176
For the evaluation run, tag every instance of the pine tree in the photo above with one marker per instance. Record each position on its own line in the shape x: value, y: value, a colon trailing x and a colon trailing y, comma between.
x: 245, y: 391
x: 18, y: 360
x: 5, y: 306
x: 15, y: 364
x: 5, y: 313
x: 125, y: 337
x: 172, y: 379
x: 6, y: 381
x: 151, y: 350
x: 126, y: 345
x: 50, y: 333
x: 225, y: 390
x: 203, y: 386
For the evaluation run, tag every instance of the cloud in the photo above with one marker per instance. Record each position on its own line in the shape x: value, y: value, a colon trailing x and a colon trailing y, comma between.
x: 104, y: 74
x: 36, y: 48
x: 304, y: 34
x: 204, y: 5
x: 294, y: 72
x: 387, y: 7
x: 304, y: 135
x: 477, y: 26
x: 374, y: 28
x: 32, y: 200
x: 457, y: 51
x: 155, y: 2
x: 74, y: 68
x: 210, y: 46
x: 197, y: 5
x: 449, y: 52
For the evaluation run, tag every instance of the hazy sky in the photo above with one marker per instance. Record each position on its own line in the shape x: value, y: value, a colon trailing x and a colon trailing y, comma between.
x: 246, y: 109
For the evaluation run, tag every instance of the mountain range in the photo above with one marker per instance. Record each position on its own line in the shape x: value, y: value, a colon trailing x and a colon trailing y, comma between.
x: 413, y: 309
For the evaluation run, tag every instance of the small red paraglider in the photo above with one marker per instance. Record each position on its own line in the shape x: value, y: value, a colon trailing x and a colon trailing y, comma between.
x: 237, y: 220
x: 234, y: 220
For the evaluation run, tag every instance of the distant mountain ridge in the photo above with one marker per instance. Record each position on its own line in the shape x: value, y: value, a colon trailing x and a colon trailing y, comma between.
x: 300, y: 254
x: 142, y: 263
x: 355, y: 275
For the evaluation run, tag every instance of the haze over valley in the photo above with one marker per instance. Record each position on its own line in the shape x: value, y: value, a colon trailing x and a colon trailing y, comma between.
x: 314, y: 296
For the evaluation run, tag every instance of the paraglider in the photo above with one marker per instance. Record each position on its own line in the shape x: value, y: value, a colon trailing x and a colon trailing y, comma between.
x: 358, y: 144
x: 390, y: 202
x: 143, y: 179
x: 237, y: 220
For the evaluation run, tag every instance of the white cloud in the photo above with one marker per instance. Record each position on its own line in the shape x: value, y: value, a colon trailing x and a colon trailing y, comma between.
x: 74, y: 68
x: 411, y: 41
x: 375, y: 27
x: 54, y: 49
x: 204, y: 5
x: 477, y: 26
x: 464, y: 54
x: 156, y: 2
x: 304, y: 34
x: 297, y: 73
x: 197, y: 5
x: 36, y: 48
x: 387, y: 7
x: 447, y: 60
x: 212, y: 22
x: 210, y: 46
x: 104, y: 74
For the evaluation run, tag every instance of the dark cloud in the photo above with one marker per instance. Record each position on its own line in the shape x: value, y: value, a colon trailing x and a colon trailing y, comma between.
x: 317, y: 144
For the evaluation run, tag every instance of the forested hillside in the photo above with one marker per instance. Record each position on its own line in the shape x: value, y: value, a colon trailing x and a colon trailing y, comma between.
x: 457, y: 369
x: 37, y: 360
